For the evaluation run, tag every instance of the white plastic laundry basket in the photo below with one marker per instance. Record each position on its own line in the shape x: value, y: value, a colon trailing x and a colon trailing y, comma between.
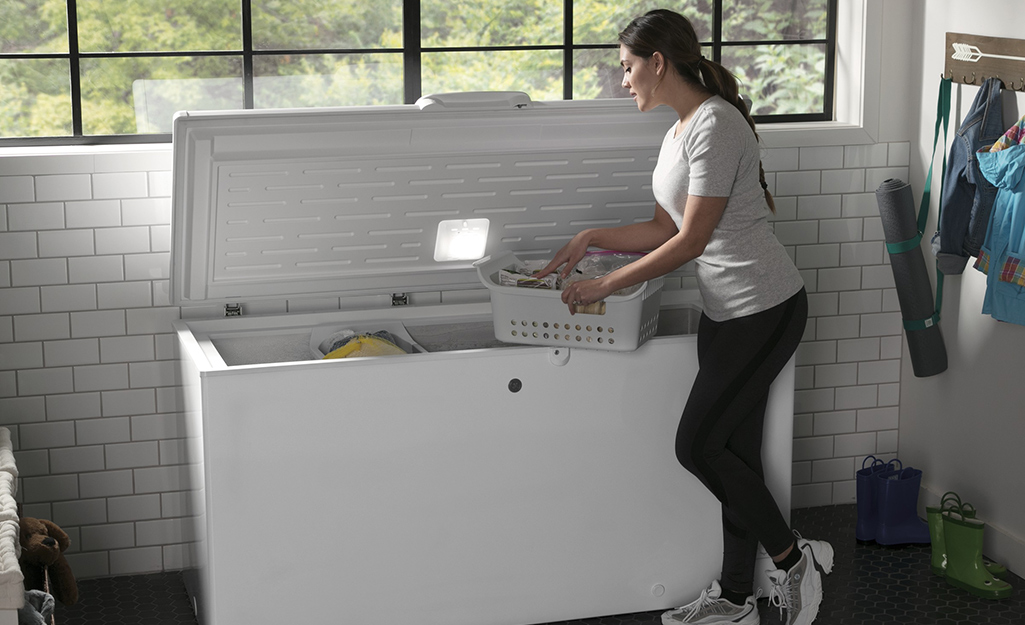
x: 539, y: 317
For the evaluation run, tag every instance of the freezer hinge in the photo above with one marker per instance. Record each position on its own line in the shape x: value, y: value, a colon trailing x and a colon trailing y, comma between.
x: 399, y: 299
x: 233, y: 310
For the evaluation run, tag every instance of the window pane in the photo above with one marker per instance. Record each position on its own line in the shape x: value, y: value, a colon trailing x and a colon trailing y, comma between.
x: 537, y: 73
x: 597, y: 74
x: 780, y: 79
x: 474, y: 23
x: 773, y: 20
x: 290, y: 81
x: 33, y: 26
x: 36, y: 100
x: 600, y: 21
x: 158, y: 25
x: 141, y: 95
x: 311, y: 24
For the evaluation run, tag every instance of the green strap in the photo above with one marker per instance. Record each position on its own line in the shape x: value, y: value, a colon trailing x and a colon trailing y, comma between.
x: 904, y: 246
x: 942, y: 117
x: 922, y: 324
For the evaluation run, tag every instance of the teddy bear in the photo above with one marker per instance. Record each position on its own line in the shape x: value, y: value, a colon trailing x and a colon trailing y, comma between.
x: 42, y: 548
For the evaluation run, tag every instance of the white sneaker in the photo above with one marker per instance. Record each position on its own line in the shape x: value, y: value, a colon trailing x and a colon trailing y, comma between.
x: 799, y: 590
x: 710, y: 608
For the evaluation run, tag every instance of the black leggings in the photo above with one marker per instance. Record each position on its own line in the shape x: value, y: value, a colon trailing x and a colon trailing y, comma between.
x: 720, y: 434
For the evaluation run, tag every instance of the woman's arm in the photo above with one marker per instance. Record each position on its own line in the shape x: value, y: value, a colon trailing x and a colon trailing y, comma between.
x: 639, y: 237
x: 700, y: 218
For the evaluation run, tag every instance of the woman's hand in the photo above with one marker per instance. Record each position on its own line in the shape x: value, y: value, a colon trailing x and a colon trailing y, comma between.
x: 584, y: 292
x: 568, y: 256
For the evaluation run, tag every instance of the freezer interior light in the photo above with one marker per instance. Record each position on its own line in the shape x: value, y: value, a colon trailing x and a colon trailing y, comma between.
x: 461, y: 239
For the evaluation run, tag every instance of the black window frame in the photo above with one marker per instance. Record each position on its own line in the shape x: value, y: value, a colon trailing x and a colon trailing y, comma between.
x: 411, y: 56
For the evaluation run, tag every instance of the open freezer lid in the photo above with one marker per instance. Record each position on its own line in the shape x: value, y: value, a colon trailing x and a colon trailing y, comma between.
x: 273, y: 204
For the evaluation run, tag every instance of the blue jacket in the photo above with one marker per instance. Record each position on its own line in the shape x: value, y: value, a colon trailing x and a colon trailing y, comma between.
x: 967, y: 198
x: 1002, y: 256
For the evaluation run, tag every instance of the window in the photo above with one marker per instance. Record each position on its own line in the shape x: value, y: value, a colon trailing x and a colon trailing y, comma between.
x: 96, y: 71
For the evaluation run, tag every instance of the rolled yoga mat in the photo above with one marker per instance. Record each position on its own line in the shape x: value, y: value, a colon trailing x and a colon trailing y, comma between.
x: 914, y: 291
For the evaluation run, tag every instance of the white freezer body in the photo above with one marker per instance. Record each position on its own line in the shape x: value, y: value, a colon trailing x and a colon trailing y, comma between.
x: 422, y: 488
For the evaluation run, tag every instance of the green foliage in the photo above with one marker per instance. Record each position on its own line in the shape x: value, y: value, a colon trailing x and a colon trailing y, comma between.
x: 159, y: 25
x: 472, y: 23
x: 781, y: 79
x: 771, y: 20
x: 127, y: 95
x: 33, y: 26
x: 600, y: 21
x: 321, y: 24
x: 328, y: 80
x: 31, y: 88
x: 537, y: 73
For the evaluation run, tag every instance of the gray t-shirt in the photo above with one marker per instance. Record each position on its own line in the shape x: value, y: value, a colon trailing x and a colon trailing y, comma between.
x: 744, y: 268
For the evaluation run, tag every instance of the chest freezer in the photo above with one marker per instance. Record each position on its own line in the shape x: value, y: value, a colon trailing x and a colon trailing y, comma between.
x: 468, y: 480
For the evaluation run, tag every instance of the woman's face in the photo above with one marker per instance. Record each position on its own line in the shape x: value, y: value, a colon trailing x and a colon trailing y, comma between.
x: 640, y: 76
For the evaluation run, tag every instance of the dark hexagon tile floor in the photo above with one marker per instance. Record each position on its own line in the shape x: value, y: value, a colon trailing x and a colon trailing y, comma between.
x: 870, y: 585
x: 157, y: 599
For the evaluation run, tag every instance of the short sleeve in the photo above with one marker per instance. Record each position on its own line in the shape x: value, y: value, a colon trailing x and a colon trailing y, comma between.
x: 714, y: 150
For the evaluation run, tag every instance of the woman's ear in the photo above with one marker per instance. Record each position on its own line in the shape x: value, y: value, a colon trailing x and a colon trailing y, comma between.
x: 660, y: 63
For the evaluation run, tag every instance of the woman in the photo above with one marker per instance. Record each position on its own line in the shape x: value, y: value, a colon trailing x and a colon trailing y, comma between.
x: 711, y: 205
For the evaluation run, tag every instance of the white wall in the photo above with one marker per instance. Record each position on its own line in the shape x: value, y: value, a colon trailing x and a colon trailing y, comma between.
x: 965, y: 428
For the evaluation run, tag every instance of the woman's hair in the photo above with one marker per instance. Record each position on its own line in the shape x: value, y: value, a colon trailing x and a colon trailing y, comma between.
x: 673, y: 35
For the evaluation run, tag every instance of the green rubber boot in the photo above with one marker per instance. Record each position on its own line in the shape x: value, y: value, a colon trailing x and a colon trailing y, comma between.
x: 965, y: 569
x: 934, y: 516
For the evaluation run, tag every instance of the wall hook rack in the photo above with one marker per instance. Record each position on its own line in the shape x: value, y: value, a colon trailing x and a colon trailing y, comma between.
x: 971, y: 59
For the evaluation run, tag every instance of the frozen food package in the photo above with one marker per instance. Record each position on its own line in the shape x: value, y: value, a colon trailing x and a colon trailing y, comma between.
x: 522, y: 275
x: 597, y: 264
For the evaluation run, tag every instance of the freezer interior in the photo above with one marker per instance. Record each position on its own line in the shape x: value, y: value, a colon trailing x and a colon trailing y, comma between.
x: 301, y: 338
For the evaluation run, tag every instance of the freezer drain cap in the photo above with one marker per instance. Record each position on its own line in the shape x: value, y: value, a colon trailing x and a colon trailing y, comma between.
x: 558, y: 356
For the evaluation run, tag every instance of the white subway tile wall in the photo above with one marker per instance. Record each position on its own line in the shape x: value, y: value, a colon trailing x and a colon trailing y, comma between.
x: 88, y: 371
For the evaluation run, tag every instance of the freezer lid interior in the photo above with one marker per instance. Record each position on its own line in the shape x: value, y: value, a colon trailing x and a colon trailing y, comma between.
x: 326, y: 202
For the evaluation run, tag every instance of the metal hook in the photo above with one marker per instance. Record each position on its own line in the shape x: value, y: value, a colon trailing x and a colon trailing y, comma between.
x: 973, y: 78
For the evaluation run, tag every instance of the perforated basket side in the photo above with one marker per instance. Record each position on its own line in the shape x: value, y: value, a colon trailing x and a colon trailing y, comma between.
x: 534, y: 317
x: 649, y: 310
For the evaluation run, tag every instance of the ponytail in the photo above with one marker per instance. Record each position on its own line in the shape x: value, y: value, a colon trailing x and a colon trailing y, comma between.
x: 673, y: 35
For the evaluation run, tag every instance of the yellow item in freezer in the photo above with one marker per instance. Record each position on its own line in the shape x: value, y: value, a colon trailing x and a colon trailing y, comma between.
x: 366, y: 345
